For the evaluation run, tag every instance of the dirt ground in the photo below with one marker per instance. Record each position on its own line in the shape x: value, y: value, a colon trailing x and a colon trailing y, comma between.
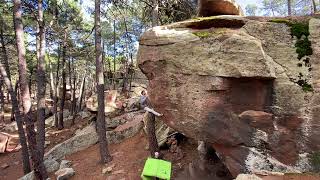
x: 128, y: 160
x: 128, y: 157
x: 13, y: 159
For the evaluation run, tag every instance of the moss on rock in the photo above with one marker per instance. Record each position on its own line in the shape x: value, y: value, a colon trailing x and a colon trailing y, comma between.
x: 203, y: 34
x: 315, y: 161
x: 300, y: 30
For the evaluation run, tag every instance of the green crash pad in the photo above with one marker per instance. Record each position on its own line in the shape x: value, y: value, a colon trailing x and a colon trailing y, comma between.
x: 156, y: 168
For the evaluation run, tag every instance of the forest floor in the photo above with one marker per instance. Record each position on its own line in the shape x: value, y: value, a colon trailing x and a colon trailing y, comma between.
x: 128, y: 157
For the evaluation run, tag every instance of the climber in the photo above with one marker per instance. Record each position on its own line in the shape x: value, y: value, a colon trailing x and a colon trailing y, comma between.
x: 144, y: 101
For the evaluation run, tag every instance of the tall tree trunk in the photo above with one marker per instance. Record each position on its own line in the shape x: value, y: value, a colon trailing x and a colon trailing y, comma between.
x: 41, y: 83
x: 114, y: 55
x: 125, y: 89
x: 155, y: 13
x: 38, y: 165
x: 289, y: 8
x: 74, y: 102
x: 56, y: 93
x: 18, y: 117
x: 82, y: 88
x: 153, y: 143
x: 64, y: 83
x: 17, y: 92
x: 101, y: 124
x: 314, y: 5
x: 2, y: 103
x: 52, y: 86
x: 5, y: 57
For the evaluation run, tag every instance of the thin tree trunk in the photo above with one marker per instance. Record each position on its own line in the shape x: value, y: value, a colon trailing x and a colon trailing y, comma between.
x: 82, y: 87
x: 289, y: 8
x: 5, y: 57
x: 52, y: 86
x: 17, y: 92
x: 56, y: 93
x: 314, y: 5
x: 18, y: 117
x: 155, y: 13
x: 74, y: 102
x: 2, y: 103
x: 126, y: 66
x: 41, y: 85
x: 64, y: 83
x: 114, y: 55
x: 38, y: 165
x: 101, y: 124
x: 131, y: 72
x: 153, y: 143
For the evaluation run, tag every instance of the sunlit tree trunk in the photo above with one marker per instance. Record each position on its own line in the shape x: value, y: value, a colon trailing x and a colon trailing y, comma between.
x: 64, y: 83
x: 56, y: 93
x: 38, y: 165
x: 82, y: 88
x: 18, y: 117
x: 101, y: 124
x: 41, y: 82
x: 52, y: 86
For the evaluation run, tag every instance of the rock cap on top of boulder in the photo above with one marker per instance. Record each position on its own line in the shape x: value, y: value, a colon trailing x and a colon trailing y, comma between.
x: 219, y: 7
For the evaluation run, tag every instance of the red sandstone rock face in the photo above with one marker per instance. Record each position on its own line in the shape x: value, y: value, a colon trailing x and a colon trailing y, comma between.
x: 219, y: 7
x: 234, y: 89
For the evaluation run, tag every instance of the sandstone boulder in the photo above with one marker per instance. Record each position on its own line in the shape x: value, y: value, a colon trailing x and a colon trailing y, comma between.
x: 50, y: 121
x: 219, y: 7
x: 88, y: 136
x: 51, y: 166
x: 232, y: 82
x: 110, y: 102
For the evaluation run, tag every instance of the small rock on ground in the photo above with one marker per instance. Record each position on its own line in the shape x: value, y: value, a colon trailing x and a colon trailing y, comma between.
x: 108, y: 169
x: 247, y: 177
x: 118, y: 172
x: 4, y: 166
x: 51, y: 165
x: 65, y: 164
x: 64, y: 174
